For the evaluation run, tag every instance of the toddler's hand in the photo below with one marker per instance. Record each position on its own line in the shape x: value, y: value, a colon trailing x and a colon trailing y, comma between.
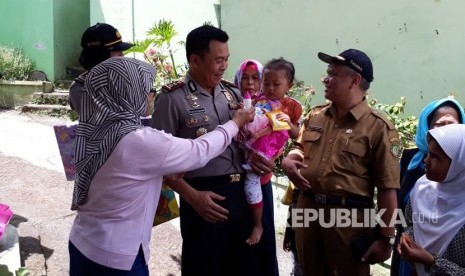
x: 283, y: 117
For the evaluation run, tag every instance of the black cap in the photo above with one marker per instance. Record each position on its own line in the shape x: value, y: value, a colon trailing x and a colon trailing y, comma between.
x: 103, y: 35
x: 353, y: 58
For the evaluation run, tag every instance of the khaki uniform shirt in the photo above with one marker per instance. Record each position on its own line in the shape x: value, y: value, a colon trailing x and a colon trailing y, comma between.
x: 186, y: 110
x: 349, y: 156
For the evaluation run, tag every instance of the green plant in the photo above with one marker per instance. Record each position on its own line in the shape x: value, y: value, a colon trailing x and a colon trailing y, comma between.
x: 406, y: 125
x: 304, y: 94
x: 14, y: 65
x: 158, y: 50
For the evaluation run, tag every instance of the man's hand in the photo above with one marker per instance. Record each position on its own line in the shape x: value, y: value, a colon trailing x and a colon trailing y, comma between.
x: 412, y: 252
x: 291, y: 168
x: 260, y: 165
x: 204, y: 204
x: 378, y: 251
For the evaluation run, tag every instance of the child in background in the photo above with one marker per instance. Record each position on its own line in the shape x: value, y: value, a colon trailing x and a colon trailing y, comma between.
x: 276, y: 120
x: 289, y: 245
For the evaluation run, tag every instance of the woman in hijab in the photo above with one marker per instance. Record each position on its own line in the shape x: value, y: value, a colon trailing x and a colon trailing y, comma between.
x: 437, y: 207
x: 248, y: 78
x: 120, y: 165
x: 435, y: 114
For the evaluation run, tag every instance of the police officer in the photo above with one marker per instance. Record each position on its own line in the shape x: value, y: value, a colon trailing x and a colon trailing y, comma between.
x: 215, y: 219
x: 345, y: 149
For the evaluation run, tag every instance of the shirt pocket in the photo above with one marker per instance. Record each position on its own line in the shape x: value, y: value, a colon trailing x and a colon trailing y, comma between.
x: 353, y: 147
x: 310, y: 138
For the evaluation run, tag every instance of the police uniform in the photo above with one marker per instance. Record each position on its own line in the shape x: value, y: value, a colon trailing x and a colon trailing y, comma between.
x: 186, y: 110
x: 346, y: 158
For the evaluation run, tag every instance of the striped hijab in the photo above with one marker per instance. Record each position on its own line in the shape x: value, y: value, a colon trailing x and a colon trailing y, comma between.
x: 116, y: 97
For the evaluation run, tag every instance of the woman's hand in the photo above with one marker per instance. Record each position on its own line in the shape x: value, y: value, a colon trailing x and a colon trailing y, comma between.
x: 243, y: 116
x: 412, y: 252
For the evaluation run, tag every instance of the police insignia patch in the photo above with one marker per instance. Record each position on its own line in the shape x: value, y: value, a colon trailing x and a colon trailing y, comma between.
x: 192, y: 86
x: 228, y: 83
x: 201, y: 131
x: 396, y: 147
x: 172, y: 86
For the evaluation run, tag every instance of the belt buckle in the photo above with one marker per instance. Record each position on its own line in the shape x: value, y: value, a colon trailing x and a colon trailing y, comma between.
x: 319, y: 198
x: 234, y: 177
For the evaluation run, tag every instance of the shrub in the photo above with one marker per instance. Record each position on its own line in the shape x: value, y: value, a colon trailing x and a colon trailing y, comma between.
x: 304, y: 94
x: 406, y: 125
x: 14, y: 65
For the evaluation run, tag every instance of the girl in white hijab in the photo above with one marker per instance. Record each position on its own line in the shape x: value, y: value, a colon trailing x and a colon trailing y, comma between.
x: 438, y: 207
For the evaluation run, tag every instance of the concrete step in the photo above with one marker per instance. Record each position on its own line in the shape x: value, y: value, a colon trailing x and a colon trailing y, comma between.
x: 48, y: 109
x: 63, y: 84
x: 44, y: 107
x: 59, y: 97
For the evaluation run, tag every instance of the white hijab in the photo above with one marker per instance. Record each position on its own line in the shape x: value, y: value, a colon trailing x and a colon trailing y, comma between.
x: 439, y: 207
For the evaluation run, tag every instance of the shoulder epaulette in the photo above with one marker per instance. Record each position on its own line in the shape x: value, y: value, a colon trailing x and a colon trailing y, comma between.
x: 317, y: 109
x: 320, y: 106
x: 170, y: 87
x: 228, y: 83
x: 380, y: 115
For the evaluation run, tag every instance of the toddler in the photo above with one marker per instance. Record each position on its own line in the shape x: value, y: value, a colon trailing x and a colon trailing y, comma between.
x: 277, y: 118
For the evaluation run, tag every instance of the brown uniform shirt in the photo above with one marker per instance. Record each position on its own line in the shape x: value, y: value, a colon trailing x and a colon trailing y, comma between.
x: 186, y: 110
x: 349, y: 156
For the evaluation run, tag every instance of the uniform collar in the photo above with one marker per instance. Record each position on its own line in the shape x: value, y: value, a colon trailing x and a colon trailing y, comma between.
x: 195, y: 88
x: 356, y: 111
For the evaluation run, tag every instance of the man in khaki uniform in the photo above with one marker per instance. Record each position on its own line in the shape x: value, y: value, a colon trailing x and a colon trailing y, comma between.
x: 345, y: 149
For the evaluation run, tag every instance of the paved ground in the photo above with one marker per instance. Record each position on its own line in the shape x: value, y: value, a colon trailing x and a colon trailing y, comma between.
x: 32, y: 182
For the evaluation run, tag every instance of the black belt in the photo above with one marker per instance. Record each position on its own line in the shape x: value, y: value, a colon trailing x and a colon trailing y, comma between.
x: 352, y: 201
x: 231, y: 178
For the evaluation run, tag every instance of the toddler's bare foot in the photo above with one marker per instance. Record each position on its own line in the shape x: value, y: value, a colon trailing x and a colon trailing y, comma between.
x: 256, y: 235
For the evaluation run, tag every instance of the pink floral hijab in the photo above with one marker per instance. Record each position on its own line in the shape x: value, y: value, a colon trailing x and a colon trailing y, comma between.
x: 241, y: 69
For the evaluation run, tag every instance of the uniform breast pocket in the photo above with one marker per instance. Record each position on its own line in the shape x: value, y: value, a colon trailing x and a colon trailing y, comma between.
x: 310, y: 139
x: 353, y: 148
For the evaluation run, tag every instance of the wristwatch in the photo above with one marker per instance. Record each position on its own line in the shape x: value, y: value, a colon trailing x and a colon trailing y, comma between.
x: 389, y: 239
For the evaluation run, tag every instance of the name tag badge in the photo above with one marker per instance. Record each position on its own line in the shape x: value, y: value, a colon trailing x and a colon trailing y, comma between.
x: 196, y: 111
x: 315, y: 128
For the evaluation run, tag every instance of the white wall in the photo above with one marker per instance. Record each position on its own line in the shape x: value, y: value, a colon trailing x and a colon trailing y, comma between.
x: 185, y: 15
